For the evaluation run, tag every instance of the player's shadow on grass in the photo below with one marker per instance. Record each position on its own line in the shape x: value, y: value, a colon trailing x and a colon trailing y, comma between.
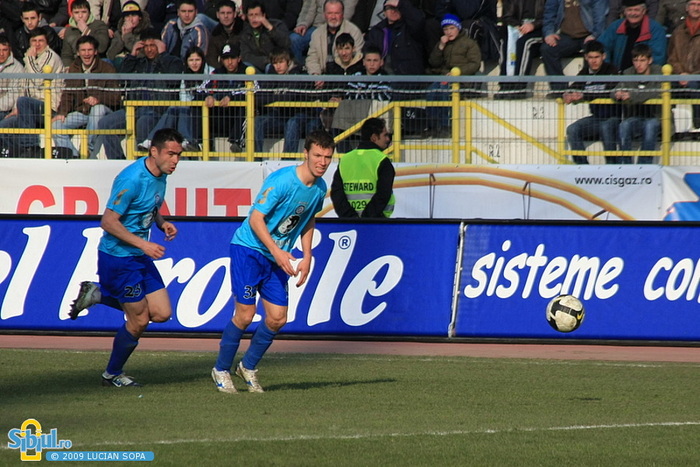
x: 325, y: 384
x: 85, y: 370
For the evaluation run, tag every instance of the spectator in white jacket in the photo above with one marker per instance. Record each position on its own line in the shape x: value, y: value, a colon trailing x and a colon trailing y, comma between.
x: 311, y: 17
x: 322, y: 47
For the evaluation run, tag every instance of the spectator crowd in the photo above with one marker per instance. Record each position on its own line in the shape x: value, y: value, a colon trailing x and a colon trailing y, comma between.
x: 203, y: 39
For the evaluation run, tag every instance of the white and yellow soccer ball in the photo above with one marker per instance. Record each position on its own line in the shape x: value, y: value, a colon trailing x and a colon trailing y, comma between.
x: 565, y: 313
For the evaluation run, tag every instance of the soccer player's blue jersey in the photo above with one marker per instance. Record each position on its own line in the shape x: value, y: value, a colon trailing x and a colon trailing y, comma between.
x: 136, y: 196
x: 288, y: 205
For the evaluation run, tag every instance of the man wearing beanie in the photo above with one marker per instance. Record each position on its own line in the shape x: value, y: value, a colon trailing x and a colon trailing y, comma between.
x: 455, y: 49
x: 478, y: 19
x: 635, y: 28
x: 566, y: 27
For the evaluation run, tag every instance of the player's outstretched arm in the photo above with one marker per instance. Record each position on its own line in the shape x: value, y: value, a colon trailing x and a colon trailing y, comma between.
x: 111, y: 224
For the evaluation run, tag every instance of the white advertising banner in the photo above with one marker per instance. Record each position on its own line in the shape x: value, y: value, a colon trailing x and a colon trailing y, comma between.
x: 439, y: 191
x: 83, y: 186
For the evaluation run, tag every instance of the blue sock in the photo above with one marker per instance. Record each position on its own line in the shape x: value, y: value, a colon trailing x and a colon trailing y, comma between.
x: 261, y: 341
x: 111, y: 302
x: 230, y: 340
x: 124, y: 344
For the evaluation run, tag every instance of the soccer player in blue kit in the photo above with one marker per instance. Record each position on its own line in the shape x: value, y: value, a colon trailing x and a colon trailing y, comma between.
x: 261, y: 259
x: 129, y: 280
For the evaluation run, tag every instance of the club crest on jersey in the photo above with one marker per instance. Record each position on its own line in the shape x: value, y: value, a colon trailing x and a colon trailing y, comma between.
x: 118, y: 198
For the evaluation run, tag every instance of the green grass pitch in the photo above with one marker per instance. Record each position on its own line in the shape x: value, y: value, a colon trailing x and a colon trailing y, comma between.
x: 350, y: 410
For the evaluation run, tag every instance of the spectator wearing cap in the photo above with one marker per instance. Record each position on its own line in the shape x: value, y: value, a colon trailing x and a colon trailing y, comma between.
x: 617, y: 9
x: 82, y: 23
x: 260, y: 36
x: 187, y: 31
x: 133, y: 22
x: 566, y: 27
x: 227, y: 31
x: 400, y: 38
x: 684, y: 52
x: 227, y: 120
x: 479, y: 18
x: 635, y: 28
x: 455, y: 49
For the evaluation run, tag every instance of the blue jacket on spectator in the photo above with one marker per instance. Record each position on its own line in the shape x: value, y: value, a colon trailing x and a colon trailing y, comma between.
x: 194, y: 34
x: 652, y: 33
x: 593, y: 14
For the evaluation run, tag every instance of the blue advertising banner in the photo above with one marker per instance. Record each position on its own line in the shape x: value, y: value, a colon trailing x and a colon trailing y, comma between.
x: 636, y: 282
x: 366, y: 279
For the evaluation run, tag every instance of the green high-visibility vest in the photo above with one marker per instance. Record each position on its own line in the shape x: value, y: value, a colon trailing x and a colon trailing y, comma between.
x: 359, y: 171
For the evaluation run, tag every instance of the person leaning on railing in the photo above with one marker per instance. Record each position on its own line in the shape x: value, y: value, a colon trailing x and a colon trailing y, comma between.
x: 147, y: 56
x: 280, y: 120
x: 38, y: 60
x: 225, y: 119
x: 84, y: 101
x: 639, y: 119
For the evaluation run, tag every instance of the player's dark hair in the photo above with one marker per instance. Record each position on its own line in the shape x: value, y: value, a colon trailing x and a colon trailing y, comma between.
x: 344, y: 39
x: 149, y: 34
x: 87, y: 40
x: 320, y: 138
x: 39, y: 31
x: 84, y: 4
x: 4, y: 40
x: 372, y: 126
x: 164, y: 135
x: 227, y: 3
x: 641, y: 50
x: 186, y: 2
x: 280, y: 54
x: 373, y: 49
x: 593, y: 46
x: 30, y: 6
x: 253, y: 4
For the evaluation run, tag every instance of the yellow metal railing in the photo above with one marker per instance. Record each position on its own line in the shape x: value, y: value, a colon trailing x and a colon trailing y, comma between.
x: 461, y: 149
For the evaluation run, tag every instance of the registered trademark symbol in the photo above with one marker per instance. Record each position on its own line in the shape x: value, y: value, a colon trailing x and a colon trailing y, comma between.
x: 345, y: 242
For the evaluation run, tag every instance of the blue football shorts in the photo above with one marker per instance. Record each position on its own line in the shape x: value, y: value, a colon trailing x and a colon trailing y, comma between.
x: 253, y: 273
x: 128, y: 278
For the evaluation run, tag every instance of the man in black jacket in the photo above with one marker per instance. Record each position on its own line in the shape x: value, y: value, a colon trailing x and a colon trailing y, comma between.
x: 605, y: 118
x: 32, y: 19
x: 147, y: 56
x: 364, y: 192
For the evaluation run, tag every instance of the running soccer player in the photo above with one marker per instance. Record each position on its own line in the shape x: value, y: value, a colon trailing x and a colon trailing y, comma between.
x: 261, y: 259
x: 129, y: 280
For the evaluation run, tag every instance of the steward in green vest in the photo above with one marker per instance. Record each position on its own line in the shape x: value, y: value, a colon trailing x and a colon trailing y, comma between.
x: 363, y: 183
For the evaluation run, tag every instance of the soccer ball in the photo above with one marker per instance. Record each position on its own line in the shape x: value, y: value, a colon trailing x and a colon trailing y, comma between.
x: 565, y: 313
